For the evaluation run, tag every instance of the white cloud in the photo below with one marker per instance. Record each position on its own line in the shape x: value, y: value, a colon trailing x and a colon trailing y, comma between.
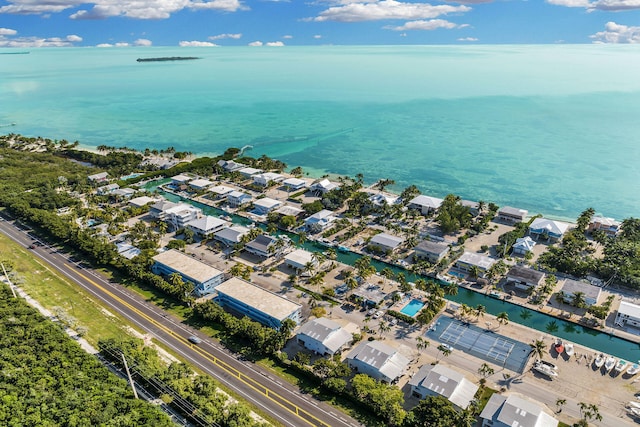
x: 142, y: 42
x: 287, y: 37
x: 74, y: 38
x: 226, y: 36
x: 356, y: 11
x: 430, y: 25
x: 609, y: 5
x: 7, y: 32
x: 23, y: 42
x: 104, y: 45
x: 317, y: 36
x: 467, y: 39
x: 617, y: 33
x: 137, y: 9
x: 196, y: 43
x: 274, y: 44
x: 256, y: 43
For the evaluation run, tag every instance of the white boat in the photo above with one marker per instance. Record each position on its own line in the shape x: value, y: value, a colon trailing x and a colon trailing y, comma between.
x: 633, y: 369
x: 609, y: 363
x: 620, y: 366
x: 568, y: 349
x: 634, y: 411
x: 544, y: 369
x: 633, y: 404
x: 599, y: 361
x: 549, y: 364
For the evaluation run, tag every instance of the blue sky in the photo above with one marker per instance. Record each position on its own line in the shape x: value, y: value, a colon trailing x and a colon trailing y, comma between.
x: 113, y: 23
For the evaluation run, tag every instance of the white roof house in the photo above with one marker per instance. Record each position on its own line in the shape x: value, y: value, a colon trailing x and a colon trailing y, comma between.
x: 299, y: 259
x: 220, y: 191
x: 523, y: 245
x: 323, y: 336
x: 141, y: 201
x: 541, y: 227
x: 295, y: 183
x: 203, y: 276
x: 288, y: 210
x: 512, y: 215
x: 180, y: 179
x: 628, y: 315
x: 200, y: 184
x: 159, y: 209
x: 432, y: 251
x: 249, y: 172
x: 258, y: 304
x: 609, y: 226
x: 102, y: 176
x: 231, y: 235
x: 238, y: 198
x: 380, y: 199
x: 515, y: 411
x: 323, y: 186
x: 439, y: 380
x: 378, y: 360
x: 265, y: 178
x: 265, y: 205
x: 524, y: 277
x: 386, y: 242
x: 471, y: 259
x: 591, y: 292
x: 181, y: 214
x: 425, y: 204
x: 230, y: 165
x: 207, y: 225
x: 319, y: 221
x: 106, y: 189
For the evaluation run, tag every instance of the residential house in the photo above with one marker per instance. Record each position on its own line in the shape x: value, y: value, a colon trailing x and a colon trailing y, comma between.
x: 106, y: 189
x: 431, y: 251
x: 126, y: 250
x: 230, y: 165
x: 386, y: 242
x: 323, y: 336
x: 571, y: 287
x: 609, y: 226
x: 628, y: 315
x: 123, y: 193
x: 378, y: 360
x: 511, y: 215
x: 203, y: 276
x: 220, y: 191
x: 263, y: 246
x: 295, y: 184
x: 319, y: 221
x: 470, y: 260
x: 513, y: 410
x: 248, y: 172
x: 235, y: 199
x: 288, y: 210
x: 141, y: 201
x: 159, y: 209
x: 180, y: 179
x: 231, y: 235
x: 548, y: 229
x: 98, y: 177
x: 206, y: 226
x: 300, y: 259
x: 439, y: 380
x: 179, y: 215
x: 380, y: 199
x: 523, y: 246
x: 322, y: 187
x: 265, y: 178
x: 425, y: 204
x: 257, y: 303
x: 369, y: 295
x: 474, y: 207
x: 265, y: 205
x: 200, y: 184
x: 524, y: 278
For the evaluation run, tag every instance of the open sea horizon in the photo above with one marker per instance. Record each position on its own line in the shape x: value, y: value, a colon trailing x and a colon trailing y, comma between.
x: 549, y: 128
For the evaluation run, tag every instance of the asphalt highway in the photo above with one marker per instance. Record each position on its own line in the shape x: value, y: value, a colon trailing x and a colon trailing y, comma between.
x: 278, y: 399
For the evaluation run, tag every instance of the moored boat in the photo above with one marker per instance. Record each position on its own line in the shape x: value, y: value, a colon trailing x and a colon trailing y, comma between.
x: 599, y: 361
x: 609, y: 363
x: 343, y: 248
x: 633, y: 369
x: 549, y: 364
x: 545, y: 369
x: 620, y: 366
x: 568, y: 349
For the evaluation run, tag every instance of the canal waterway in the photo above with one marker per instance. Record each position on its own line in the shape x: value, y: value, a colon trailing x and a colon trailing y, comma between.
x: 549, y: 326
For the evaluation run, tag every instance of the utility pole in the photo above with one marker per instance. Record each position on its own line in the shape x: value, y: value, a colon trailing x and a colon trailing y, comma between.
x: 13, y: 291
x: 126, y: 367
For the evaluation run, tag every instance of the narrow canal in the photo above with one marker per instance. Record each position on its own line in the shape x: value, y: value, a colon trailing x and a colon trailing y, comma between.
x: 548, y: 325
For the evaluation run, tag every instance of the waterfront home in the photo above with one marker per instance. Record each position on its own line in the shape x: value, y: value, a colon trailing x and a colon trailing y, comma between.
x: 591, y: 292
x: 123, y: 193
x: 628, y: 315
x: 200, y: 184
x: 179, y: 215
x: 469, y: 260
x: 385, y: 242
x: 438, y: 380
x: 246, y: 299
x: 378, y: 360
x: 141, y: 201
x: 514, y: 410
x: 295, y: 184
x: 524, y: 278
x: 319, y: 221
x: 106, y: 189
x: 235, y: 199
x: 608, y: 226
x: 231, y: 235
x: 288, y: 210
x: 206, y: 226
x: 431, y: 251
x: 264, y: 179
x: 474, y: 207
x: 300, y: 259
x: 322, y: 187
x: 323, y: 336
x: 230, y: 165
x: 180, y: 179
x: 203, y: 276
x: 380, y: 199
x: 159, y: 209
x: 425, y: 204
x: 263, y: 246
x: 98, y: 177
x: 548, y: 229
x: 523, y: 245
x: 511, y: 215
x: 265, y: 205
x: 249, y: 172
x: 220, y: 191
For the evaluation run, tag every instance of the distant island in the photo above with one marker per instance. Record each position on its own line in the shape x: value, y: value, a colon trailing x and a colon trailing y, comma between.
x: 167, y: 58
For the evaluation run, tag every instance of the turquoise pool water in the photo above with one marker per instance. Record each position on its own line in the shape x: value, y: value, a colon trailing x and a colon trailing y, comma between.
x: 412, y: 308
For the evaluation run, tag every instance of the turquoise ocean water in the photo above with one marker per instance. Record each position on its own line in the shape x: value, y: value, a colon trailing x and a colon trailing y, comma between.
x: 553, y: 129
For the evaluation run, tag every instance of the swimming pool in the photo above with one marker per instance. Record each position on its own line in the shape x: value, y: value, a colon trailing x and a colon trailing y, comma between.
x: 412, y: 307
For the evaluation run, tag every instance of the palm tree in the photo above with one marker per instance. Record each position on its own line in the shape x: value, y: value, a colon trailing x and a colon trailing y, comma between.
x: 451, y: 289
x: 421, y: 344
x: 503, y: 318
x: 444, y: 350
x: 538, y: 347
x: 474, y: 272
x: 383, y: 327
x: 302, y: 237
x: 480, y: 311
x: 578, y: 300
x: 485, y: 370
x: 588, y: 412
x: 560, y: 403
x: 318, y: 257
x: 387, y: 273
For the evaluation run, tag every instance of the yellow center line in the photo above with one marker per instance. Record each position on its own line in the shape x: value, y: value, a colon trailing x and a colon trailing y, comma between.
x: 247, y: 380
